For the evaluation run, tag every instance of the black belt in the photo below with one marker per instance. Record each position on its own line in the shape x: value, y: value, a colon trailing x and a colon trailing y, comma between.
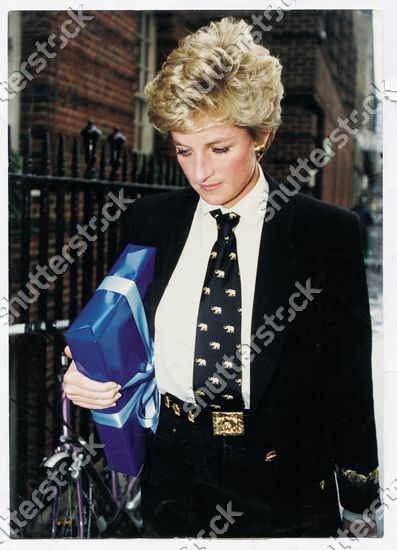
x: 217, y: 421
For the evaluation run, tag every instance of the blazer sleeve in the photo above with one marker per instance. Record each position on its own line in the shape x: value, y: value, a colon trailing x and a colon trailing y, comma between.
x: 352, y: 422
x: 128, y: 226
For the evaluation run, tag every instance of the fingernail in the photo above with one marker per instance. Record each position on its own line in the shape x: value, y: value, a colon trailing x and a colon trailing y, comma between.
x: 114, y: 404
x: 118, y: 386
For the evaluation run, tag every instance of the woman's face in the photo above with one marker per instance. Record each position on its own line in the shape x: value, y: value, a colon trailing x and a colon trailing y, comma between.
x: 219, y: 162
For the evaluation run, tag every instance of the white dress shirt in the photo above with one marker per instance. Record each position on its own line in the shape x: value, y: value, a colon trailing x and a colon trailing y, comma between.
x: 176, y: 315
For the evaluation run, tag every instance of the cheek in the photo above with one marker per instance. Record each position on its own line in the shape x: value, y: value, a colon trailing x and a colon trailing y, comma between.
x: 238, y: 167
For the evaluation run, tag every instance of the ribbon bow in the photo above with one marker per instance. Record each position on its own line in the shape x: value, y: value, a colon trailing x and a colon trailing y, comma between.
x: 146, y: 400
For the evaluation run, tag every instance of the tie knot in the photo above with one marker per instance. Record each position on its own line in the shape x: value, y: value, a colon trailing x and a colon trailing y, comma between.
x: 225, y: 222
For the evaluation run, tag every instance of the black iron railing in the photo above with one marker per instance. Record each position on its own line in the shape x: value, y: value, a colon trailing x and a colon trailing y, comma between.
x: 48, y: 210
x: 51, y: 197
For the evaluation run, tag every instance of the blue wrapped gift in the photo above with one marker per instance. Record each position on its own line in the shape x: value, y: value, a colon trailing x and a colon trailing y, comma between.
x: 110, y: 341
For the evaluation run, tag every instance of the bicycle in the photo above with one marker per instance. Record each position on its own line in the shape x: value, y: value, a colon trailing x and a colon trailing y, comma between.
x: 75, y: 499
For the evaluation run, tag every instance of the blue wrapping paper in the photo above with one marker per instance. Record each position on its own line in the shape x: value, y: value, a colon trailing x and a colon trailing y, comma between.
x: 110, y: 341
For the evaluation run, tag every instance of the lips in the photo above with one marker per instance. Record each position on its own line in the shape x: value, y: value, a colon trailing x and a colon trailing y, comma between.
x: 211, y: 187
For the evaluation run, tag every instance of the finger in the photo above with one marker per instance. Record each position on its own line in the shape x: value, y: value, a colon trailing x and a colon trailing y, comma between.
x: 74, y: 377
x: 77, y: 391
x: 67, y: 352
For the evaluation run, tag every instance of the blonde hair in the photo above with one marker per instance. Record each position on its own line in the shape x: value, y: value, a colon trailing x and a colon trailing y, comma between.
x: 220, y: 72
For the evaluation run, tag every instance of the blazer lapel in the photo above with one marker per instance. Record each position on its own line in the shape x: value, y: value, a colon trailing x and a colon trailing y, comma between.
x: 276, y: 274
x: 180, y: 222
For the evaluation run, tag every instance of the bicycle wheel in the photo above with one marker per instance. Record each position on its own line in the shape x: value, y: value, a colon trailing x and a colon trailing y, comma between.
x: 129, y: 494
x: 67, y: 507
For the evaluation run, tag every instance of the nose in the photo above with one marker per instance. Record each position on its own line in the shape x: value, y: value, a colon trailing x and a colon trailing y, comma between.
x: 202, y: 167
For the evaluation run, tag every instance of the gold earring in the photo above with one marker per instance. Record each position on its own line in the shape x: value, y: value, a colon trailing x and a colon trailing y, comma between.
x: 259, y: 152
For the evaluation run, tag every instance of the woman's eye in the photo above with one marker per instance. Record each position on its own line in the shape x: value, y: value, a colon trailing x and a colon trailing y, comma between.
x: 217, y: 150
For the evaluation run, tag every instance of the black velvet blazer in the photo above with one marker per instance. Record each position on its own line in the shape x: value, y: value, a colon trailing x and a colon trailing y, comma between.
x: 311, y: 384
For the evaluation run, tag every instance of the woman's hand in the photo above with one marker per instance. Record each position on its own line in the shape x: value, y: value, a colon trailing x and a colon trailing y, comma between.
x: 88, y: 393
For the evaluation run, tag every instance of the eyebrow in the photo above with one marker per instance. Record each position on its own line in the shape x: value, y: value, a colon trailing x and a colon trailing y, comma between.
x: 210, y: 143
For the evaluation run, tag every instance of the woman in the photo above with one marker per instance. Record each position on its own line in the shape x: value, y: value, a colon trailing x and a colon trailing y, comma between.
x: 260, y: 318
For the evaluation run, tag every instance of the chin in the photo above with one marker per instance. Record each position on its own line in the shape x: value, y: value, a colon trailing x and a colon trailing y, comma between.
x: 214, y: 198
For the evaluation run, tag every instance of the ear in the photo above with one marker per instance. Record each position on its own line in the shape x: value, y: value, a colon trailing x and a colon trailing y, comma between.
x: 265, y: 139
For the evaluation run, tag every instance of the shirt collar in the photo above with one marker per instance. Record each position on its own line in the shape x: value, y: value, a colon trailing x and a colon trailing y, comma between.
x: 251, y: 206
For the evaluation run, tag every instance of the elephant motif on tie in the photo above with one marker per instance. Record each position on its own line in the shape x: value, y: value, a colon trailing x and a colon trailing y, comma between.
x: 215, y: 345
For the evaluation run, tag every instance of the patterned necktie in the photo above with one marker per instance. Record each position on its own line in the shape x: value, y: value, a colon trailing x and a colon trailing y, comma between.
x: 218, y: 331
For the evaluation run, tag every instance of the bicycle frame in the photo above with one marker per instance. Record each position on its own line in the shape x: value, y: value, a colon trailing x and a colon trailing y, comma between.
x: 68, y: 448
x: 115, y: 494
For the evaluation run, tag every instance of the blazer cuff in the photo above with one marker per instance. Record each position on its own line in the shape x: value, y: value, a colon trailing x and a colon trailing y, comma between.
x: 358, y: 491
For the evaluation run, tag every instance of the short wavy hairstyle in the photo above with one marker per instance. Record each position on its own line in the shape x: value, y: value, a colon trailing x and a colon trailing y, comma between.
x: 222, y: 73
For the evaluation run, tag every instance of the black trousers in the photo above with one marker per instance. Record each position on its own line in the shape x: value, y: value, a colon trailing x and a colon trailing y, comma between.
x: 196, y: 484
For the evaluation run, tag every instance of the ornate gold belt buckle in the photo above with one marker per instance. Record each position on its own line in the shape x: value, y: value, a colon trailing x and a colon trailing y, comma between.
x: 228, y: 423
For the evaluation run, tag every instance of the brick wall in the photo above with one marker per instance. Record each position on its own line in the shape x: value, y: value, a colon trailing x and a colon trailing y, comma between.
x: 91, y: 77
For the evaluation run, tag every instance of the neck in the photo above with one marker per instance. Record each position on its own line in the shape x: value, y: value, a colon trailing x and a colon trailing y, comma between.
x: 246, y: 189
